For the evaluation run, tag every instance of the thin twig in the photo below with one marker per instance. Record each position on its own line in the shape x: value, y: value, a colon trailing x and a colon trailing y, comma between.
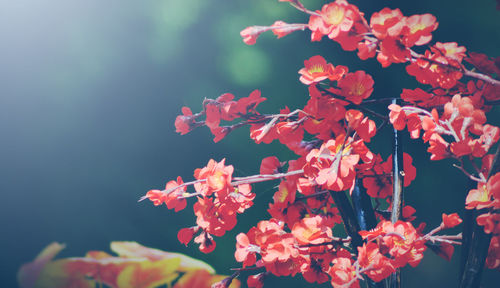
x: 334, y: 241
x: 238, y: 181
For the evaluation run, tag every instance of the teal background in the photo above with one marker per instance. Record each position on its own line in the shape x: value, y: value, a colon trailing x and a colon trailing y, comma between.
x: 89, y: 91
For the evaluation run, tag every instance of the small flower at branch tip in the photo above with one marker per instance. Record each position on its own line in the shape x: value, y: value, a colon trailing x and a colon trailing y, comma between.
x: 185, y: 235
x: 451, y: 220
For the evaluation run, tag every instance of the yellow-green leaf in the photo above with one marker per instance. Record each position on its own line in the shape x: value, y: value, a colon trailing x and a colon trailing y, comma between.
x: 28, y: 273
x: 56, y: 275
x: 134, y: 249
x: 148, y: 274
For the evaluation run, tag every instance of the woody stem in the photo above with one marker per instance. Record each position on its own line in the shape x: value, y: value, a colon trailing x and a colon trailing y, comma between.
x: 397, y: 188
x: 348, y: 217
x: 475, y: 241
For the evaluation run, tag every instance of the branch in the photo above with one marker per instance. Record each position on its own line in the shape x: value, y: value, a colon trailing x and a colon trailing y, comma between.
x: 397, y: 188
x: 480, y: 76
x: 397, y: 175
x: 366, y: 110
x: 462, y: 69
x: 312, y: 195
x: 334, y: 241
x: 475, y: 242
x: 363, y: 209
x: 348, y: 217
x: 237, y: 181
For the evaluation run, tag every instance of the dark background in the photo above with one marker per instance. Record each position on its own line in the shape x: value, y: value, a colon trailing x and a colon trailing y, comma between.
x: 89, y: 91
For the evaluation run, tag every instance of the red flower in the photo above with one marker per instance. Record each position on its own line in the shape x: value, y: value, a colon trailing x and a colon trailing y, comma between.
x: 380, y: 266
x: 331, y: 167
x: 250, y: 34
x: 185, y: 235
x: 431, y: 73
x: 450, y: 221
x: 367, y: 49
x: 442, y: 249
x: 483, y: 63
x: 311, y: 230
x: 314, y: 270
x: 171, y: 196
x: 285, y: 194
x: 186, y: 122
x: 263, y: 133
x: 451, y: 50
x: 365, y: 127
x: 490, y: 135
x: 338, y: 17
x: 219, y: 133
x: 213, y: 116
x: 377, y: 176
x: 392, y: 51
x: 206, y: 241
x: 343, y: 272
x: 174, y: 199
x: 256, y: 281
x: 245, y: 250
x: 218, y: 177
x: 493, y: 259
x: 438, y: 147
x: 397, y: 116
x: 418, y: 29
x: 316, y: 69
x: 214, y: 217
x: 157, y: 196
x: 341, y: 21
x: 376, y: 179
x: 422, y: 98
x: 356, y: 86
x: 279, y: 248
x: 401, y: 240
x: 270, y: 165
x: 387, y: 23
x: 482, y: 196
x: 247, y: 105
x: 491, y: 222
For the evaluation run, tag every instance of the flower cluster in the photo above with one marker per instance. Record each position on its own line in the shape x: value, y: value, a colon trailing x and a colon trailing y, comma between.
x: 330, y: 135
x: 219, y: 201
x: 222, y: 108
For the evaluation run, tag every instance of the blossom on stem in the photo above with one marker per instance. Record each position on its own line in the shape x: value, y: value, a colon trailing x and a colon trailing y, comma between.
x: 486, y: 195
x: 356, y: 86
x: 316, y: 69
x: 450, y: 221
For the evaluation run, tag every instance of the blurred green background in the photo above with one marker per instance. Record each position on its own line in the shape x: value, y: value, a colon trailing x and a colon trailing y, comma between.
x: 89, y: 91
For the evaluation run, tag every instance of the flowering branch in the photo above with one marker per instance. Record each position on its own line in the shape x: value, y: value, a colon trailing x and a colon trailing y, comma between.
x: 363, y: 208
x: 237, y: 181
x: 461, y: 69
x: 475, y: 251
